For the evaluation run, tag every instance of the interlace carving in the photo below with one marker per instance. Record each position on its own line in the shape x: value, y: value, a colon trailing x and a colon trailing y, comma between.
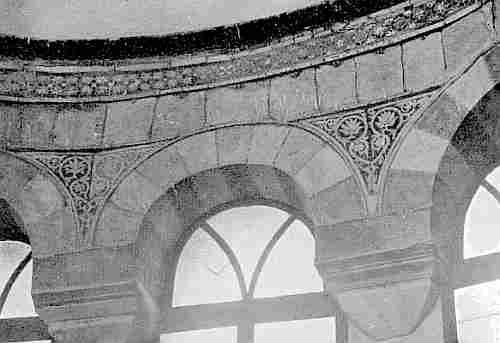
x: 369, y: 135
x: 75, y: 172
x: 89, y: 179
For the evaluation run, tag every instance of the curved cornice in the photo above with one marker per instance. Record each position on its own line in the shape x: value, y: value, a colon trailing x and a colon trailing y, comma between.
x: 228, y: 38
x: 119, y: 80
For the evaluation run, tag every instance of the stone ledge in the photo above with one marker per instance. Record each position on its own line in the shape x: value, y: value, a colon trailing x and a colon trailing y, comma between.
x: 344, y: 41
x: 378, y: 269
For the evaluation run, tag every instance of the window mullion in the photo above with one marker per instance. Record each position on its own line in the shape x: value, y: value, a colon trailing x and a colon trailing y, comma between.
x: 267, y: 251
x: 230, y: 254
x: 12, y: 279
x: 491, y: 189
x: 246, y: 332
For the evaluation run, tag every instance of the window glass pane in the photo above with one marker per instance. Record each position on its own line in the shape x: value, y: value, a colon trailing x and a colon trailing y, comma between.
x: 290, y: 268
x: 481, y: 228
x: 478, y: 313
x: 11, y: 254
x: 219, y: 335
x: 241, y: 225
x: 494, y: 178
x: 204, y: 273
x: 19, y: 302
x: 320, y: 330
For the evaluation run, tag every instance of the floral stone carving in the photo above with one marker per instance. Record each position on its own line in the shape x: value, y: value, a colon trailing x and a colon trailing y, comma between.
x: 75, y: 172
x: 89, y: 179
x: 369, y: 135
x: 337, y: 40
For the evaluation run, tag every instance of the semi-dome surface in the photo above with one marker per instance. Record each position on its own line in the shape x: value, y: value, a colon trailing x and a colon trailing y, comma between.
x: 90, y: 19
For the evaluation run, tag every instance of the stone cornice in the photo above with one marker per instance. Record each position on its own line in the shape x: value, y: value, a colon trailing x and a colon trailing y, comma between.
x: 27, y: 81
x: 226, y: 38
x: 377, y: 269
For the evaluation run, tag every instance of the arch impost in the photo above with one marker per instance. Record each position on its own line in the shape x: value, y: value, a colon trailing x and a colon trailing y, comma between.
x: 378, y: 269
x: 386, y: 294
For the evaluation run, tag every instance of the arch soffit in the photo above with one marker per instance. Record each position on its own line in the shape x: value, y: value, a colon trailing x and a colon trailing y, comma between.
x: 473, y: 153
x: 40, y: 204
x: 331, y: 191
x: 433, y: 150
x: 420, y: 153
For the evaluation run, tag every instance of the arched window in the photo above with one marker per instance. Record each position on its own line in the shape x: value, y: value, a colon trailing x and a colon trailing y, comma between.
x: 482, y: 221
x: 477, y: 283
x: 18, y: 319
x: 247, y: 275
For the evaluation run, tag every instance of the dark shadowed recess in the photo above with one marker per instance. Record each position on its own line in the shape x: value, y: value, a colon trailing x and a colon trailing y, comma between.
x: 222, y: 38
x: 10, y: 224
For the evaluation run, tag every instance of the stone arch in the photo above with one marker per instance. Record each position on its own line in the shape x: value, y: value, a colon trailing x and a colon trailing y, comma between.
x: 331, y: 190
x: 413, y: 170
x: 282, y: 165
x: 473, y: 152
x: 171, y: 218
x: 416, y: 173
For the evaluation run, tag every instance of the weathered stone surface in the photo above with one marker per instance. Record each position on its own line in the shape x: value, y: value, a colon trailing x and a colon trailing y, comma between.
x: 86, y: 267
x: 14, y: 175
x: 55, y: 234
x: 370, y: 235
x: 406, y: 189
x: 79, y: 126
x: 464, y: 39
x: 238, y: 104
x: 380, y: 74
x: 298, y: 148
x: 116, y: 226
x: 340, y: 202
x: 472, y: 86
x: 336, y: 85
x: 32, y: 125
x: 129, y: 121
x: 423, y: 62
x: 199, y: 152
x: 232, y: 144
x: 40, y: 199
x: 325, y: 169
x: 9, y: 124
x: 136, y: 194
x: 387, y: 312
x: 293, y: 96
x: 430, y: 331
x: 420, y: 151
x: 177, y: 115
x: 441, y: 118
x: 266, y: 143
x: 164, y: 169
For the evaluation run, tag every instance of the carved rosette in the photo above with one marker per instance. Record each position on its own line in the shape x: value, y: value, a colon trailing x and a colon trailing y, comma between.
x: 89, y: 179
x: 333, y: 44
x: 75, y: 172
x: 369, y: 135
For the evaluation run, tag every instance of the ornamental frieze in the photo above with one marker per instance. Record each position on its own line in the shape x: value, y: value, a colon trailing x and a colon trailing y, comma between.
x: 370, y: 135
x: 325, y: 47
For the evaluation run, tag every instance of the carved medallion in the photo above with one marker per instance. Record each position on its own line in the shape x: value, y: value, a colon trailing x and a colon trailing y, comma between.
x: 369, y: 135
x: 89, y: 179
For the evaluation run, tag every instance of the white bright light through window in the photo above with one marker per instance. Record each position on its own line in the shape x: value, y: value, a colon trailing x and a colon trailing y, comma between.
x: 240, y: 274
